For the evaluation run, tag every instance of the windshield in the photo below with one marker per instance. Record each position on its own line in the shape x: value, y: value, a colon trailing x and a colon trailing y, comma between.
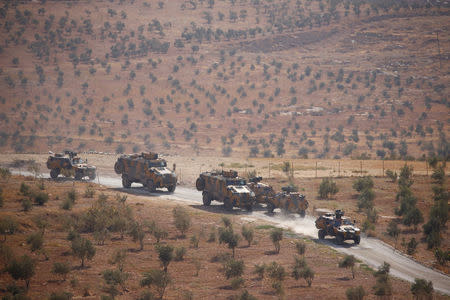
x: 235, y: 182
x: 78, y: 160
x: 157, y: 163
x: 347, y: 222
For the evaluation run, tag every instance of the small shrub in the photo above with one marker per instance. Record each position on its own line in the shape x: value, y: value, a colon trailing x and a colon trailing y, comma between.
x: 41, y: 198
x: 212, y: 236
x: 411, y: 246
x: 182, y: 220
x: 276, y: 235
x: 67, y: 204
x: 421, y: 289
x: 327, y: 188
x: 391, y: 175
x: 194, y: 241
x: 355, y: 293
x: 8, y: 226
x: 165, y: 255
x: 83, y: 249
x: 247, y: 233
x: 300, y: 247
x: 89, y: 192
x: 72, y: 195
x: 27, y: 205
x: 259, y: 270
x: 22, y: 268
x: 236, y: 283
x: 61, y: 296
x: 179, y: 253
x: 61, y: 268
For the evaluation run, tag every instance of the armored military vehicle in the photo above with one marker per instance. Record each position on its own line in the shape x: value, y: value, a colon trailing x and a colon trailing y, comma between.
x: 287, y: 200
x: 335, y: 224
x: 226, y: 187
x: 69, y: 165
x: 145, y: 168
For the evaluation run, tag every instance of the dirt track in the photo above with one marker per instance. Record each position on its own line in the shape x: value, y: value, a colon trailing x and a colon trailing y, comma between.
x: 371, y: 251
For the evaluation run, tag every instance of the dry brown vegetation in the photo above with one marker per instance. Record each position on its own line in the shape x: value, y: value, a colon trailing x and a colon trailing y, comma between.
x: 210, y: 280
x: 249, y: 78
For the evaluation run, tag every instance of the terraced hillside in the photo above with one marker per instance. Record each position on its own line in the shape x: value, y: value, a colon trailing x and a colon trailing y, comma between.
x: 250, y: 77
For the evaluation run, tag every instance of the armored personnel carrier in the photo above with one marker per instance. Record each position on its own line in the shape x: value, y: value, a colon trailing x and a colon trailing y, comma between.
x: 287, y: 200
x: 225, y: 187
x: 147, y: 169
x: 335, y: 224
x: 69, y: 165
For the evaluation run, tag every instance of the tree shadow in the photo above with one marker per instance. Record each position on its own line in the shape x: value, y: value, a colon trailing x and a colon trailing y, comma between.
x: 270, y: 252
x: 344, y: 278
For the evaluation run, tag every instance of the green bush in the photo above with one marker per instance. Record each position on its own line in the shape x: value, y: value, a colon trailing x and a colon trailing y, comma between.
x: 182, y: 220
x: 41, y: 198
x: 157, y: 278
x: 236, y: 283
x: 247, y: 233
x: 61, y: 268
x: 327, y: 188
x: 27, y: 205
x: 180, y: 252
x: 421, y: 289
x: 22, y: 268
x: 276, y: 235
x: 233, y: 268
x: 165, y: 255
x: 355, y: 293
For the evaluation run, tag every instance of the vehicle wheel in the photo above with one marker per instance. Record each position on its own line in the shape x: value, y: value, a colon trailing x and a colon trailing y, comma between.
x: 321, y: 234
x: 339, y: 239
x: 302, y: 213
x: 357, y: 239
x: 150, y: 185
x: 171, y: 188
x: 206, y: 199
x: 54, y: 173
x: 118, y: 167
x: 125, y: 182
x: 227, y: 204
x: 78, y: 175
x: 92, y: 176
x: 200, y: 184
x: 270, y: 207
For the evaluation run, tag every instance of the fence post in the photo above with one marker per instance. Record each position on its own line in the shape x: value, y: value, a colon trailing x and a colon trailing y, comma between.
x: 382, y: 175
x: 426, y: 166
x: 316, y: 169
x: 339, y: 168
x: 360, y: 164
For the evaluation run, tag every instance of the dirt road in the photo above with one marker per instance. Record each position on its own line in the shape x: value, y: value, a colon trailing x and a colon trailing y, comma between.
x: 371, y: 251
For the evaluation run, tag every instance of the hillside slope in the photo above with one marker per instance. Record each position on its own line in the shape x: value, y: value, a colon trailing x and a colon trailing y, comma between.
x: 259, y: 78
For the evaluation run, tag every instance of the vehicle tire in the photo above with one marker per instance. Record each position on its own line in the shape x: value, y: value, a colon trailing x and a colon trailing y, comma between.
x: 339, y: 239
x: 171, y: 188
x: 227, y: 204
x: 78, y: 175
x: 92, y: 176
x: 126, y: 183
x: 357, y: 239
x: 302, y: 213
x: 206, y: 199
x: 54, y: 173
x: 200, y: 184
x: 150, y: 185
x: 321, y: 234
x: 270, y: 208
x: 118, y: 167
